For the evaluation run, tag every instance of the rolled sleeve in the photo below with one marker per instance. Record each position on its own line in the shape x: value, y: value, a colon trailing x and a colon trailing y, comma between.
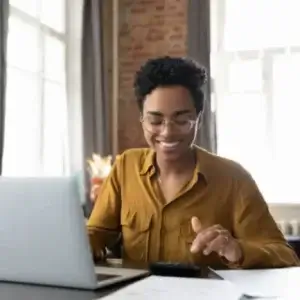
x: 261, y: 241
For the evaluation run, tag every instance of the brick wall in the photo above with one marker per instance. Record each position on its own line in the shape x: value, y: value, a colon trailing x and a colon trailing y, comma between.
x: 148, y: 28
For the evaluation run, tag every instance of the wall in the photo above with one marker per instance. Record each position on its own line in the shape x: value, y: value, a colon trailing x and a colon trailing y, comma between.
x: 285, y: 212
x: 147, y: 28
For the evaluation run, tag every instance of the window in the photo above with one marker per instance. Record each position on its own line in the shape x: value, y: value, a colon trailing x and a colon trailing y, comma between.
x: 256, y: 62
x: 35, y: 141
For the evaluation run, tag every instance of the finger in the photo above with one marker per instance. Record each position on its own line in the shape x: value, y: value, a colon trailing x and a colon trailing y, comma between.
x: 202, y: 239
x: 196, y: 224
x: 95, y: 187
x: 205, y: 237
x: 218, y: 244
x: 92, y: 193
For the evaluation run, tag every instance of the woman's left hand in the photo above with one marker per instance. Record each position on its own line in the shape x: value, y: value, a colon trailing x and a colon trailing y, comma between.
x: 215, y: 239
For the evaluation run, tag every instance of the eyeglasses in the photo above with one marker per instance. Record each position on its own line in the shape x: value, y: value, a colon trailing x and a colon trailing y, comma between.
x: 157, y: 125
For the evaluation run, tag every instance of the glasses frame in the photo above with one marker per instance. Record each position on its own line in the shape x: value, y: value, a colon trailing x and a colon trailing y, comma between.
x: 165, y: 122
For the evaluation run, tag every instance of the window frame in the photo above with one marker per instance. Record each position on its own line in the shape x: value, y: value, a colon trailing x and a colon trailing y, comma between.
x: 221, y: 59
x: 44, y: 31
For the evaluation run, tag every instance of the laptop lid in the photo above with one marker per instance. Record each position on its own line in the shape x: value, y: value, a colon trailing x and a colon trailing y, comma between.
x: 42, y: 233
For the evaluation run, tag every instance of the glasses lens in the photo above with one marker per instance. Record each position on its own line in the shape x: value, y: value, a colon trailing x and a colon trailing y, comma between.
x: 183, y: 126
x: 156, y: 125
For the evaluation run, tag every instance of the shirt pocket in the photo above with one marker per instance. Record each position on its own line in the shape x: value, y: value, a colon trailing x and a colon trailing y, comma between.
x: 136, y: 235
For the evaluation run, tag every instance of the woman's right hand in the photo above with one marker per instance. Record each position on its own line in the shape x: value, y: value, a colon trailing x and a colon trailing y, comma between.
x: 96, y: 184
x: 95, y: 188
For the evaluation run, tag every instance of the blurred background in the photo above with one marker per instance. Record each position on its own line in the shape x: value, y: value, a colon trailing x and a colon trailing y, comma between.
x: 66, y: 75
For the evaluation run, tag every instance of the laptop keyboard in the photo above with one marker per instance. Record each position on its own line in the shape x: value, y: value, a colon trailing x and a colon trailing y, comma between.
x: 101, y: 277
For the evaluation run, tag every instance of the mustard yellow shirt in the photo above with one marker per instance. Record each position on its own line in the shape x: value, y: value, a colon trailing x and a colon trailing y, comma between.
x: 220, y: 192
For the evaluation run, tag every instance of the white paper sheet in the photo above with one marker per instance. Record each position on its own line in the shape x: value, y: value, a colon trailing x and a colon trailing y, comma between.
x: 266, y: 283
x: 175, y: 288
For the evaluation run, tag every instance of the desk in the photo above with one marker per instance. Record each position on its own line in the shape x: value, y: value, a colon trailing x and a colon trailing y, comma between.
x: 16, y: 291
x: 294, y: 242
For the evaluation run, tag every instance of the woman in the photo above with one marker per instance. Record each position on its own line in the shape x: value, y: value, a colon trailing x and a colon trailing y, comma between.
x: 174, y: 201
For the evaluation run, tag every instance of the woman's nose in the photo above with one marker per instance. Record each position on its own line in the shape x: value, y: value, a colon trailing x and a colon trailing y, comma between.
x: 168, y: 129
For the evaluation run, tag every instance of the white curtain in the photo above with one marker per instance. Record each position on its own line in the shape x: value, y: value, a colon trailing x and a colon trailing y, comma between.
x: 255, y: 68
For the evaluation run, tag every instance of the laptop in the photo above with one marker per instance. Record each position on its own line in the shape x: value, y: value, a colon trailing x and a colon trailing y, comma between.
x: 43, y: 238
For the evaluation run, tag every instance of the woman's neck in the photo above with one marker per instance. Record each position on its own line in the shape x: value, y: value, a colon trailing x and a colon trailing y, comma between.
x: 185, y: 163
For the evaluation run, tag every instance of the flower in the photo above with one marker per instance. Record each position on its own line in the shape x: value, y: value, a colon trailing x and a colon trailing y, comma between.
x: 99, y: 167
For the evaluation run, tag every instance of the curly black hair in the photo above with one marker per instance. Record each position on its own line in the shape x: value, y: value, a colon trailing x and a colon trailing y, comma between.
x: 170, y: 71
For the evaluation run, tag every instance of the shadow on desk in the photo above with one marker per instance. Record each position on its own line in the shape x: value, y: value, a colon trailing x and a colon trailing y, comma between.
x: 10, y: 291
x: 13, y: 291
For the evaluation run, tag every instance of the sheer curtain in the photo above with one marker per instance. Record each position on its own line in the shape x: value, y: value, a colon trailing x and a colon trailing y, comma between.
x: 199, y: 49
x: 96, y: 108
x: 4, y: 11
x: 36, y: 139
x: 255, y: 68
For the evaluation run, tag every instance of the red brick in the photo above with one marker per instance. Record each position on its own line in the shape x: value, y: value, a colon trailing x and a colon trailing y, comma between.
x: 160, y: 8
x: 149, y: 28
x: 138, y: 10
x: 148, y: 2
x: 155, y: 35
x: 176, y: 37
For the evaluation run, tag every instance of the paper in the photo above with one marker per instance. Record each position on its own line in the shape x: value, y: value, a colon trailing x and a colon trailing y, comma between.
x: 284, y: 283
x: 175, y: 288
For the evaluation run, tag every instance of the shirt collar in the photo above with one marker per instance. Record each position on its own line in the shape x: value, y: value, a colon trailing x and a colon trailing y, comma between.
x: 148, y: 162
x: 203, y: 162
x: 202, y: 168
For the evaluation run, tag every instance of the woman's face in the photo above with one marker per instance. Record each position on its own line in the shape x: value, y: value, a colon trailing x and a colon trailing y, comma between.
x: 170, y: 121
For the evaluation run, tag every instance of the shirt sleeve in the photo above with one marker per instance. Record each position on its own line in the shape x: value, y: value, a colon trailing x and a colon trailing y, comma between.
x: 262, y: 243
x: 103, y: 225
